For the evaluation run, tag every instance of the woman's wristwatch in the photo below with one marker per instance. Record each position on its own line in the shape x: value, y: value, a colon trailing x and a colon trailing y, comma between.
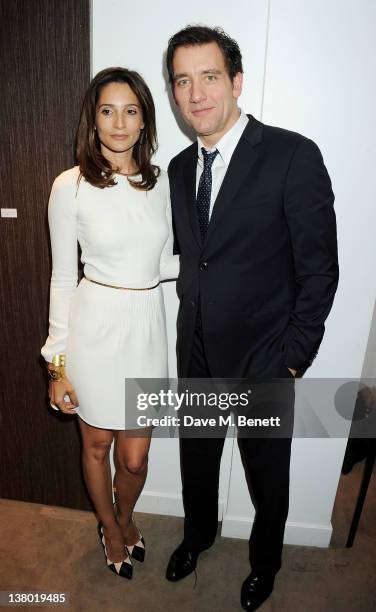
x: 56, y: 375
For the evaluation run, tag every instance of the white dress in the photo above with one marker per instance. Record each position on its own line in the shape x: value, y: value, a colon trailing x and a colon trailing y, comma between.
x: 109, y: 334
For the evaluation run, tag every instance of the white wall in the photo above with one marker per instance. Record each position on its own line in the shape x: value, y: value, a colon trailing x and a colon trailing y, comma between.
x: 321, y: 81
x: 135, y: 35
x: 309, y: 67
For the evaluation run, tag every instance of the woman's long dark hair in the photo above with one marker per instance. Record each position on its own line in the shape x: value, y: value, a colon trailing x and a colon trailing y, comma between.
x: 94, y: 167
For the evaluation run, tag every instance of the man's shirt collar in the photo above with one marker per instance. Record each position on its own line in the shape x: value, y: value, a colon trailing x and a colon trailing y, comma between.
x: 227, y: 144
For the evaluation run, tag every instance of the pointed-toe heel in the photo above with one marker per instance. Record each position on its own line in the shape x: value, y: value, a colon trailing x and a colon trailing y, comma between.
x: 137, y: 551
x: 121, y: 568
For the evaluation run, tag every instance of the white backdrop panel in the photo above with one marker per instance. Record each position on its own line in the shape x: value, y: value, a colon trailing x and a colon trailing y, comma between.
x: 135, y: 35
x: 321, y: 81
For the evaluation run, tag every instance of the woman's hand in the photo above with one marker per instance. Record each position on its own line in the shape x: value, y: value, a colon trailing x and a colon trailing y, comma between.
x: 57, y: 392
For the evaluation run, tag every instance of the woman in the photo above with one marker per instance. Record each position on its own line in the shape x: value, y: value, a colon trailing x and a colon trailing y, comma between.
x: 115, y: 204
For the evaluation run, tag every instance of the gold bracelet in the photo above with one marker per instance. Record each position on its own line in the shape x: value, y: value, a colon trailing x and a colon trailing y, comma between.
x: 58, y: 360
x: 58, y: 374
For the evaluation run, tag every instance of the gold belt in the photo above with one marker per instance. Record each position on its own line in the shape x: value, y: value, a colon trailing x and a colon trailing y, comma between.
x: 117, y: 287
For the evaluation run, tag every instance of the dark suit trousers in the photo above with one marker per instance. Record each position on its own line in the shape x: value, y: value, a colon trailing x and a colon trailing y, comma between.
x: 266, y: 462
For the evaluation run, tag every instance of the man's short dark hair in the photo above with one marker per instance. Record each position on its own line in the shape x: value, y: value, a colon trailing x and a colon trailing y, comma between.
x: 201, y: 35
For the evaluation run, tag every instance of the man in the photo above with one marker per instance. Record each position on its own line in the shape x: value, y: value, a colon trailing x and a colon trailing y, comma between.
x: 255, y: 228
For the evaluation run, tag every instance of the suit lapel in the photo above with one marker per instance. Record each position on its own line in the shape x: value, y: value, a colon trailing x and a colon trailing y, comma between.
x: 240, y: 167
x: 189, y: 173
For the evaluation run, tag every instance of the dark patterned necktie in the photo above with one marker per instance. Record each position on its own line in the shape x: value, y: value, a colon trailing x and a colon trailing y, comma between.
x: 204, y: 191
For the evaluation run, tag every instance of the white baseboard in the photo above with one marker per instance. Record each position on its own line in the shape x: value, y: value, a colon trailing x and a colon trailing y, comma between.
x: 299, y: 534
x: 154, y: 502
x: 169, y: 504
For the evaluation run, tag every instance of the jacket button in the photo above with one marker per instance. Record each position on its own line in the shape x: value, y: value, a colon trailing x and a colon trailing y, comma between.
x: 193, y: 303
x: 203, y: 265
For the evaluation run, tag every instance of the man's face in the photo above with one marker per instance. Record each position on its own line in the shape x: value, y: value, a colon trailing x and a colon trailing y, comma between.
x: 204, y: 92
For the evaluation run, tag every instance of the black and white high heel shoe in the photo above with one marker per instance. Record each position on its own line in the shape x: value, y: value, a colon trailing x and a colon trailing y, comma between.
x: 137, y: 551
x: 121, y: 568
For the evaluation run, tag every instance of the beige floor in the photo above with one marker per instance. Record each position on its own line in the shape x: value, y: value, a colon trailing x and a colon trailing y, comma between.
x: 57, y: 549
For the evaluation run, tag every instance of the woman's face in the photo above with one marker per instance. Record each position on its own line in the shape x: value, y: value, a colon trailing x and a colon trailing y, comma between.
x: 118, y: 119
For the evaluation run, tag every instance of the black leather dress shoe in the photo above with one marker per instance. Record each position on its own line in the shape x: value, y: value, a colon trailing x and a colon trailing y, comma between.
x: 255, y: 590
x: 182, y: 563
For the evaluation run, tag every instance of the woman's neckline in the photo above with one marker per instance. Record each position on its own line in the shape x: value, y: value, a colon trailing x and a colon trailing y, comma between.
x: 126, y: 174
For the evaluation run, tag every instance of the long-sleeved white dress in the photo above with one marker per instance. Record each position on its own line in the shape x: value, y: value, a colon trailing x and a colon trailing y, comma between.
x: 109, y: 334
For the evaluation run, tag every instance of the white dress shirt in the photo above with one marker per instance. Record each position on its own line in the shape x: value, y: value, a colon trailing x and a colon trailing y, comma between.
x: 225, y: 146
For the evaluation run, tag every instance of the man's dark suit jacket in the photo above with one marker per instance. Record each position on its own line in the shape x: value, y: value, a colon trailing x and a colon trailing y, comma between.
x: 267, y: 271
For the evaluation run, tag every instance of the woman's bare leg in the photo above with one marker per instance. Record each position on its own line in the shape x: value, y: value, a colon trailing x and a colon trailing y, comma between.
x: 131, y: 463
x: 96, y: 445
